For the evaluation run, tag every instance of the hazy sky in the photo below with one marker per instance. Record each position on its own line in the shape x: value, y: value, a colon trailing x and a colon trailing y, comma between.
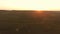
x: 30, y: 4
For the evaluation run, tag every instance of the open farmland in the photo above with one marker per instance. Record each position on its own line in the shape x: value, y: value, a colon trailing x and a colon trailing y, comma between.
x: 29, y: 22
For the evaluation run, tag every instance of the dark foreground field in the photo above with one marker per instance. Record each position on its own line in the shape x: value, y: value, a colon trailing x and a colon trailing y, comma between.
x: 29, y: 22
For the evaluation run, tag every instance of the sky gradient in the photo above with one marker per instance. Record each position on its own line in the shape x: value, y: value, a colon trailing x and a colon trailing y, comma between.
x: 29, y: 4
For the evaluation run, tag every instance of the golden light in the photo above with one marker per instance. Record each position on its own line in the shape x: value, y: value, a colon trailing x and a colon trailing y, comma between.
x: 30, y: 4
x: 39, y: 11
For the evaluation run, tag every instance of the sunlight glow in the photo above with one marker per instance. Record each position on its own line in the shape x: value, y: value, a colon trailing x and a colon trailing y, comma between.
x: 30, y: 4
x: 38, y: 11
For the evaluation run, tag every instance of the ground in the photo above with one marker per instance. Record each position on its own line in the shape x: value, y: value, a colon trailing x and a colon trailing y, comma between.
x: 18, y: 22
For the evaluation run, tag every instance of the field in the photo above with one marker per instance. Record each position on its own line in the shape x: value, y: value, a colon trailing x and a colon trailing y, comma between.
x: 29, y: 22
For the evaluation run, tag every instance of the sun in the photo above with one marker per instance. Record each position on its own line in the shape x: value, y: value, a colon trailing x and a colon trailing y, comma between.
x: 38, y: 11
